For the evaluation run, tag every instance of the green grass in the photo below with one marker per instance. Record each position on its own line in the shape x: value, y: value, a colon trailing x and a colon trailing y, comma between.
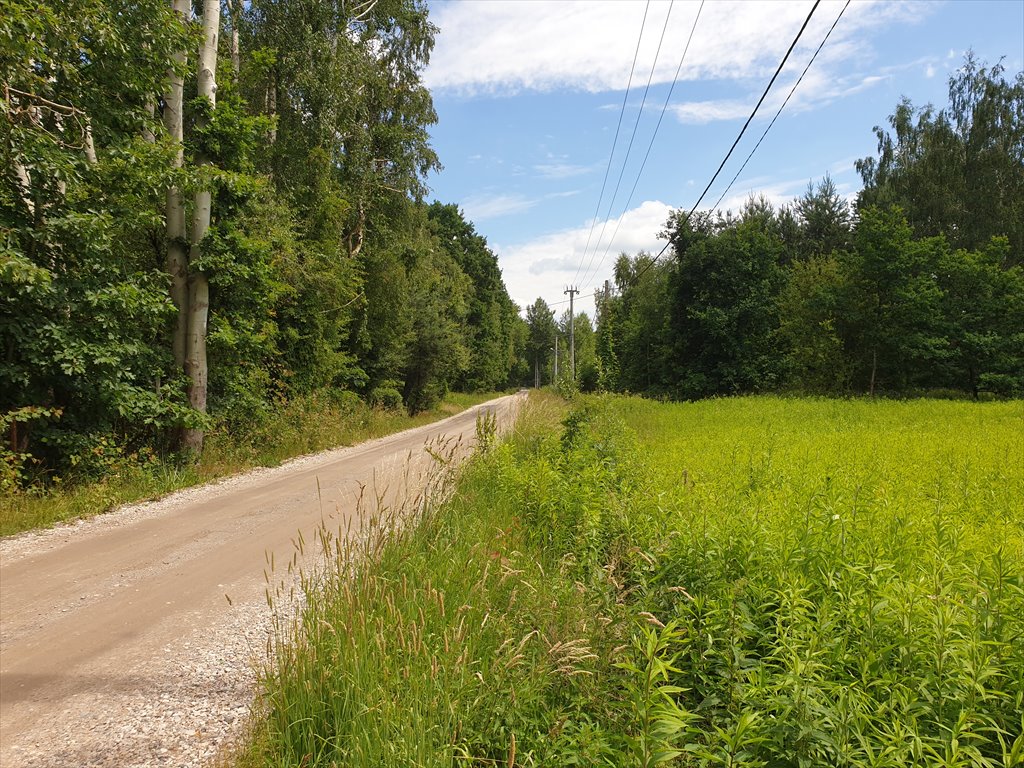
x: 436, y: 645
x: 303, y: 426
x: 738, y: 582
x: 853, y: 575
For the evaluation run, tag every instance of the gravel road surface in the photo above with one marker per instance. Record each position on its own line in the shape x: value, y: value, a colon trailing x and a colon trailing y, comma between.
x: 131, y: 639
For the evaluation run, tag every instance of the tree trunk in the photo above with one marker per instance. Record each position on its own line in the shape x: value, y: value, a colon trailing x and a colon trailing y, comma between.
x: 199, y: 287
x: 90, y: 145
x: 147, y: 133
x: 272, y: 105
x: 24, y: 183
x: 177, y: 239
x: 234, y: 7
x: 355, y: 238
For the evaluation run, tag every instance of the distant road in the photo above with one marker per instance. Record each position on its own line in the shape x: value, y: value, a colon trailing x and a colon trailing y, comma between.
x: 129, y: 639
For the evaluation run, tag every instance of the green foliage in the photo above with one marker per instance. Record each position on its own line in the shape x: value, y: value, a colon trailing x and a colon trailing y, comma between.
x: 724, y: 297
x: 957, y: 171
x: 809, y: 319
x: 438, y: 355
x: 324, y: 268
x: 983, y: 304
x: 386, y: 397
x: 823, y: 221
x: 736, y: 582
x: 640, y: 345
x: 661, y: 724
x: 892, y: 307
x: 491, y: 315
x: 540, y: 342
x: 15, y: 462
x: 917, y: 290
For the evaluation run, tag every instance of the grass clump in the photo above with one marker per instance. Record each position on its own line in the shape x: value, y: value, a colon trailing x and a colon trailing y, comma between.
x: 742, y: 582
x: 449, y: 641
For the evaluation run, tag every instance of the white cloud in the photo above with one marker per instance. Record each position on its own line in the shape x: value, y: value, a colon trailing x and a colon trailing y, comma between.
x: 844, y: 166
x: 560, y: 170
x: 818, y: 88
x: 487, y: 206
x: 506, y: 46
x: 482, y: 207
x: 544, y: 265
x: 701, y: 112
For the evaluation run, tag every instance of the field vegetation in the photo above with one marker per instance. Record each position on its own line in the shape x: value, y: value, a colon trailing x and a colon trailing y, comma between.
x: 752, y: 581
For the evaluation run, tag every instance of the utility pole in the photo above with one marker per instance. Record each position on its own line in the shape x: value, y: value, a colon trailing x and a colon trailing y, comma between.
x: 572, y: 332
x: 556, y: 359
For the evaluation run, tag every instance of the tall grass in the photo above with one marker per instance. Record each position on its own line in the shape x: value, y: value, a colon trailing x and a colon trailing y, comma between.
x: 743, y: 582
x: 849, y: 576
x: 438, y: 637
x: 304, y: 425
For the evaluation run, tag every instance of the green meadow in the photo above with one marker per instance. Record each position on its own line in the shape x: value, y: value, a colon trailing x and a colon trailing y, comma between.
x: 737, y: 582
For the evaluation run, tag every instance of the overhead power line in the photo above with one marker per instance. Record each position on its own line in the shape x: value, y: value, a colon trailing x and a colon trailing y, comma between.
x: 629, y: 148
x: 615, y: 141
x: 788, y: 97
x: 738, y: 137
x: 747, y: 123
x: 664, y: 108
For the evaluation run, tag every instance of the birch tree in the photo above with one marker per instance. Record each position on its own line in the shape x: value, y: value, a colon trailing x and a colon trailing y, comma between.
x: 177, y: 237
x: 198, y: 284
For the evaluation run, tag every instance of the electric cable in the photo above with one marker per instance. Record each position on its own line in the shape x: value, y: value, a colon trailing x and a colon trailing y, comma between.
x: 791, y: 92
x: 615, y: 141
x: 650, y: 145
x: 629, y: 148
x: 738, y: 137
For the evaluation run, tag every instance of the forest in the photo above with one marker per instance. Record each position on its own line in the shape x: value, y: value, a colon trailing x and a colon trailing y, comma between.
x: 210, y: 210
x: 915, y: 288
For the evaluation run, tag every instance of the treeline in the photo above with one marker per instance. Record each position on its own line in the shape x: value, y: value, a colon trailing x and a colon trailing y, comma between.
x: 208, y: 210
x: 917, y: 287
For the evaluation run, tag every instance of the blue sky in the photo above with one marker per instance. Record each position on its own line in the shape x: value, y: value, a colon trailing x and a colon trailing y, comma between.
x: 529, y: 92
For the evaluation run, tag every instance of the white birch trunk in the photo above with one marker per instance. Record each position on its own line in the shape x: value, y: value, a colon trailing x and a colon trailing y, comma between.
x: 272, y: 106
x: 177, y: 237
x: 234, y: 9
x: 147, y: 133
x: 90, y: 145
x: 24, y: 182
x: 199, y: 286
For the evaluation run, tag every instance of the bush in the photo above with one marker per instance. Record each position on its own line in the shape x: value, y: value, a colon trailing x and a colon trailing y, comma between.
x: 386, y: 397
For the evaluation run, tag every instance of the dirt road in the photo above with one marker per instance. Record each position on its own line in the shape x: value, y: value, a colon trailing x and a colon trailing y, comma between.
x: 130, y: 639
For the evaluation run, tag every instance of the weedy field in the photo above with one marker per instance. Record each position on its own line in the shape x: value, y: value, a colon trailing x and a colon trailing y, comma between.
x: 739, y: 582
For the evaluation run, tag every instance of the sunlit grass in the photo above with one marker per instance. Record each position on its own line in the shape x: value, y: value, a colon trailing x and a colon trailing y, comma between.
x: 445, y: 642
x: 739, y: 582
x: 850, y: 575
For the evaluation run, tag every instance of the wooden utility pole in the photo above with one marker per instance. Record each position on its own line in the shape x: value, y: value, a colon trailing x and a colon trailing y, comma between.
x: 556, y: 359
x: 572, y: 332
